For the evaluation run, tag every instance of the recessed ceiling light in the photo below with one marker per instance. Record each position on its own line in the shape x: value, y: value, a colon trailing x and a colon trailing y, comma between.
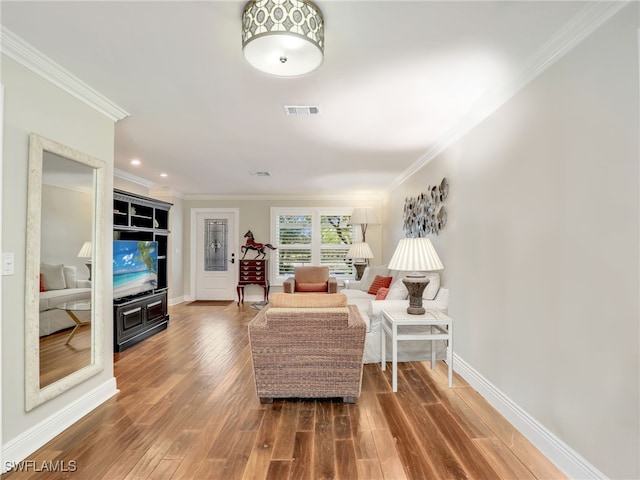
x: 163, y: 175
x: 135, y: 161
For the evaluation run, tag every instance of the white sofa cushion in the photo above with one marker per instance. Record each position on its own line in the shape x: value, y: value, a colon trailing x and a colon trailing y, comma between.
x: 54, y: 298
x: 70, y: 276
x: 397, y: 290
x: 53, y: 276
x: 432, y: 288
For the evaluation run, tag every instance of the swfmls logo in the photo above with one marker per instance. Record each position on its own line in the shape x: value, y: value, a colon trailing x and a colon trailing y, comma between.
x: 43, y: 466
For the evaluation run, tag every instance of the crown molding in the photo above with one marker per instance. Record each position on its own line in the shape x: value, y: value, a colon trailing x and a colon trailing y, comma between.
x: 579, y: 27
x: 29, y: 57
x: 356, y: 198
x: 168, y: 192
x: 132, y: 178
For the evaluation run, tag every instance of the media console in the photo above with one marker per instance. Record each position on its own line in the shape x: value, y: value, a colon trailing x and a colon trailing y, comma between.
x: 140, y: 316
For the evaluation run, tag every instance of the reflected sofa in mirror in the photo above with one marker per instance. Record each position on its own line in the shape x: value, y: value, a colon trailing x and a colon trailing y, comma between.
x: 64, y: 282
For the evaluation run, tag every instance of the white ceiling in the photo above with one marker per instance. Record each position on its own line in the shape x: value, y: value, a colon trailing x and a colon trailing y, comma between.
x: 398, y: 78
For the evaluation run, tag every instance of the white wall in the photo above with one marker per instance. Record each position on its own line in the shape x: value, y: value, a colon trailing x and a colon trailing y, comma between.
x: 541, y: 249
x: 33, y: 104
x: 66, y: 225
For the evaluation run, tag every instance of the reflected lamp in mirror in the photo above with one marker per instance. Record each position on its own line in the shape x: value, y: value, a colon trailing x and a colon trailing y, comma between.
x: 364, y: 216
x: 415, y: 255
x: 360, y: 251
x: 85, y: 252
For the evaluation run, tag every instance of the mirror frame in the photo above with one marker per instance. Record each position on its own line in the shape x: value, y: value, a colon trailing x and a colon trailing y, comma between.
x: 34, y: 395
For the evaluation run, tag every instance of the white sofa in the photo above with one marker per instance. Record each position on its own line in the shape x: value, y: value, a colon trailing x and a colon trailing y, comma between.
x: 60, y: 285
x: 370, y: 309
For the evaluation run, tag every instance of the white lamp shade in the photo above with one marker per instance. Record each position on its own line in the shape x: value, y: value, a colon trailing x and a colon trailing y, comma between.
x: 364, y: 216
x: 360, y: 250
x: 283, y: 37
x: 416, y: 255
x: 85, y: 251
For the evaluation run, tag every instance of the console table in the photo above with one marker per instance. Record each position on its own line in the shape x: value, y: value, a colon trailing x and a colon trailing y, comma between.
x: 253, y: 272
x: 439, y: 326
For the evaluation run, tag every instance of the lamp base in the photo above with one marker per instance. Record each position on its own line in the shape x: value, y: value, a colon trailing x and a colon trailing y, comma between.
x: 415, y: 285
x: 359, y: 269
x: 88, y: 264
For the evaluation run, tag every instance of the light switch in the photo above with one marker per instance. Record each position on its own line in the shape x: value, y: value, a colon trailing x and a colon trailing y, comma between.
x: 7, y: 263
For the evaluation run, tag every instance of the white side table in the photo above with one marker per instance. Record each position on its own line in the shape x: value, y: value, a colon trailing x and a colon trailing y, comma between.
x: 440, y: 328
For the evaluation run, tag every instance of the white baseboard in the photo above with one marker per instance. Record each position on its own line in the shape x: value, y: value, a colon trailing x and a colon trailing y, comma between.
x: 563, y: 456
x: 19, y: 448
x: 176, y: 301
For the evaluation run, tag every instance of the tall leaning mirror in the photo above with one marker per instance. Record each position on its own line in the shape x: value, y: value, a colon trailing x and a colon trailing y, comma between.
x: 64, y: 281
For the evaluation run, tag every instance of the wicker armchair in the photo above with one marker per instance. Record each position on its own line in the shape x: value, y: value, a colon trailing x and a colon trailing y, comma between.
x: 310, y: 279
x: 312, y: 352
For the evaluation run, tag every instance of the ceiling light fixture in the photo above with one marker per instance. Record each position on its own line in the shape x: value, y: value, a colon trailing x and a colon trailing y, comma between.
x: 283, y: 37
x: 135, y: 161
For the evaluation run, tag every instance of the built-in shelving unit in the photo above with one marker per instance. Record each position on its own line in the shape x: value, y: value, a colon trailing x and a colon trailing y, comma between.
x: 137, y: 317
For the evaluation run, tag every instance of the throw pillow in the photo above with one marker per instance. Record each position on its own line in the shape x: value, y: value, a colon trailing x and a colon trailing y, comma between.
x: 382, y: 293
x: 53, y: 276
x: 398, y: 291
x: 370, y: 273
x: 70, y: 276
x: 311, y: 287
x: 378, y: 283
x: 42, y: 287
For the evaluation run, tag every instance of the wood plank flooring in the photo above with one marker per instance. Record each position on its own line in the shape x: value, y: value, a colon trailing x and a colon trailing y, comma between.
x: 187, y: 409
x: 58, y: 359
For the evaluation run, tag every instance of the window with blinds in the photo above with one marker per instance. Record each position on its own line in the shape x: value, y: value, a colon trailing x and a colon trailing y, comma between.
x: 311, y: 236
x: 335, y: 240
x: 294, y: 235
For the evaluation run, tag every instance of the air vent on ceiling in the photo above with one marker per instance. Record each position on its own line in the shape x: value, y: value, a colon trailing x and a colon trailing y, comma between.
x: 301, y: 110
x: 261, y: 174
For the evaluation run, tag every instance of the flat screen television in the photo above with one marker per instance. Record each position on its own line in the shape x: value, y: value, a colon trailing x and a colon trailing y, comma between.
x: 135, y: 267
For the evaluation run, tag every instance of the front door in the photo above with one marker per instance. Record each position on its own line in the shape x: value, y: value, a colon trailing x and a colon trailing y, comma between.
x: 216, y: 269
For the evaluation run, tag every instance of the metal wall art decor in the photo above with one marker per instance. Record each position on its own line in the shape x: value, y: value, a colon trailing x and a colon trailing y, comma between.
x: 426, y: 213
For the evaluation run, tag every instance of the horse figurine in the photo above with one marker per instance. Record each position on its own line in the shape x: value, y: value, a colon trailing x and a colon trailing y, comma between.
x: 251, y: 244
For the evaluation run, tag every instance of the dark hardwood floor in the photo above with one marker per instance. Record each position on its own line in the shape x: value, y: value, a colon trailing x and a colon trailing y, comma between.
x: 187, y: 409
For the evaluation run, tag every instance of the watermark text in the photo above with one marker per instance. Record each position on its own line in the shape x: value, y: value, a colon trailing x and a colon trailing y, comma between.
x: 41, y: 466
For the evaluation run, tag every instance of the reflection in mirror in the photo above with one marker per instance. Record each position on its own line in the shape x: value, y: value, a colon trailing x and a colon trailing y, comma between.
x: 63, y: 296
x: 65, y: 288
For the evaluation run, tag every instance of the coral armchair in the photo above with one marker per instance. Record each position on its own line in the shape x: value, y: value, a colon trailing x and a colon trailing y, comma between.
x: 310, y: 279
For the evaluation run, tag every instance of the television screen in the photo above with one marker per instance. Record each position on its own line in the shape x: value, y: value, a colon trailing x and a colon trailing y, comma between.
x: 135, y: 267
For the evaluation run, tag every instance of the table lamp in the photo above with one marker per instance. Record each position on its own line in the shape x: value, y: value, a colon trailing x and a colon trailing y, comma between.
x: 415, y: 255
x: 85, y: 252
x: 360, y: 250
